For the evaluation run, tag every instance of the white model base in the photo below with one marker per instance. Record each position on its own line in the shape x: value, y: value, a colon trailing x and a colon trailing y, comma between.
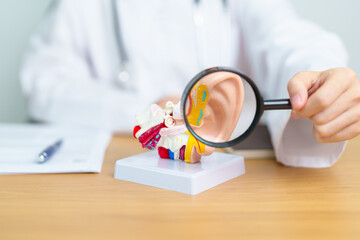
x: 149, y: 169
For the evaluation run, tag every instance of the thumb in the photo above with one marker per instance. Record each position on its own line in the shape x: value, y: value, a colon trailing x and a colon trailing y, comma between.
x: 299, y: 86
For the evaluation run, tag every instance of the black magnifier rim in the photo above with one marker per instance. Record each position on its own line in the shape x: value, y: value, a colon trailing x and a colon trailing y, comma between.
x: 258, y: 113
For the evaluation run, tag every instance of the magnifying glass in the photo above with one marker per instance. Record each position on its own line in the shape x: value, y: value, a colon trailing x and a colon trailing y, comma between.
x: 221, y: 106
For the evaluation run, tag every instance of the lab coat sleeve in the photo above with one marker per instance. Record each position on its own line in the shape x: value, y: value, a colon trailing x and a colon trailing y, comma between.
x: 59, y: 84
x: 277, y: 44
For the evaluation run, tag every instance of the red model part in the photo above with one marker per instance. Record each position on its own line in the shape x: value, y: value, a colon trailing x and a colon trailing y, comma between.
x: 136, y: 129
x: 163, y: 152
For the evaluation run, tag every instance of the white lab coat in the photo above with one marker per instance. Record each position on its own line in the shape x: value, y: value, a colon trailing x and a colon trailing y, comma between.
x: 69, y: 75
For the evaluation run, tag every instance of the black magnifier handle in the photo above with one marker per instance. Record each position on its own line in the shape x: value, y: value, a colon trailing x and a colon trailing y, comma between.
x: 277, y: 104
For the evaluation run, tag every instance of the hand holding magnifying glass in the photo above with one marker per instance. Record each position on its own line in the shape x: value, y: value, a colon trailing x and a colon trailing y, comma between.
x: 221, y: 106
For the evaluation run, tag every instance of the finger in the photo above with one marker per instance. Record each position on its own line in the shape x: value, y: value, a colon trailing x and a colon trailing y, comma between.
x: 346, y: 134
x: 345, y: 102
x: 331, y: 88
x: 298, y: 88
x: 347, y: 118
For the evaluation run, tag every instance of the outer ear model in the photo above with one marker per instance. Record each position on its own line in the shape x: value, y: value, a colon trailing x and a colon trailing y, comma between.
x: 215, y: 105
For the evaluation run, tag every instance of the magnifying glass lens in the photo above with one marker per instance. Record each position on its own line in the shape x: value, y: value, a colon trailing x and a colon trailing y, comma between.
x: 220, y: 107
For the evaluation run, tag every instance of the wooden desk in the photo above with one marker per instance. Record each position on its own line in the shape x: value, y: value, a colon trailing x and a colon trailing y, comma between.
x: 269, y: 202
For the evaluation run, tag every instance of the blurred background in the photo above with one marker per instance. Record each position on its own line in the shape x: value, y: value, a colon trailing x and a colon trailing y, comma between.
x: 18, y: 19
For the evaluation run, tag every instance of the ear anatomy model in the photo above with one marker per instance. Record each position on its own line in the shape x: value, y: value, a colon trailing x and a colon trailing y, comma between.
x: 164, y: 129
x: 214, y: 107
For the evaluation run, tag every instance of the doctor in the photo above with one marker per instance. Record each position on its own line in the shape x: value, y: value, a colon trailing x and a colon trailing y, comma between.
x: 99, y: 62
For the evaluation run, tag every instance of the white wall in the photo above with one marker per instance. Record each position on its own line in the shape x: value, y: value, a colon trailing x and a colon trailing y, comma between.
x: 339, y: 16
x: 19, y: 18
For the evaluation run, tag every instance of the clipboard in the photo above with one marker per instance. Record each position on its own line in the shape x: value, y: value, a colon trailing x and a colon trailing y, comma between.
x: 257, y: 145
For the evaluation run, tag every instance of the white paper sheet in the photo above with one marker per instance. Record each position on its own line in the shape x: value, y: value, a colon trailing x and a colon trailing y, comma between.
x: 82, y: 149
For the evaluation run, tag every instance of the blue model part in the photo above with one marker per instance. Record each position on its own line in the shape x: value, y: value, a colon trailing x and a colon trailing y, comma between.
x: 171, y: 154
x: 204, y: 96
x: 201, y: 115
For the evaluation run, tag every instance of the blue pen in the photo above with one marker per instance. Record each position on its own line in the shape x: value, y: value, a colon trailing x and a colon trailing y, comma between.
x: 49, y: 151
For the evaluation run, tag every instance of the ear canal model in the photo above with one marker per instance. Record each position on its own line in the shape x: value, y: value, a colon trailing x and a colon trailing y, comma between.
x: 216, y: 102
